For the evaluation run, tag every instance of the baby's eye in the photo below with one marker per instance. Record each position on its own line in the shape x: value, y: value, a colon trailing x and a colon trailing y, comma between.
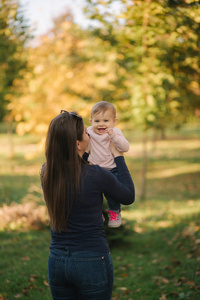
x: 105, y: 120
x: 96, y: 121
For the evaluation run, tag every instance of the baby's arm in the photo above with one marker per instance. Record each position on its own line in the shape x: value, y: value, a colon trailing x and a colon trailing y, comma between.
x: 118, y: 139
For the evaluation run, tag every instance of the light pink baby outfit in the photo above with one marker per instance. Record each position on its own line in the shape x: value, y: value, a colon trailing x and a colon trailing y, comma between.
x: 100, y: 153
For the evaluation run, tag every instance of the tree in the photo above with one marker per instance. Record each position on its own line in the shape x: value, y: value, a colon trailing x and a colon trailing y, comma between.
x: 157, y: 44
x: 13, y: 36
x: 65, y: 71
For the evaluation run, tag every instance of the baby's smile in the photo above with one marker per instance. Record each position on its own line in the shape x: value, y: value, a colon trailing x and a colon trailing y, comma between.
x: 101, y: 129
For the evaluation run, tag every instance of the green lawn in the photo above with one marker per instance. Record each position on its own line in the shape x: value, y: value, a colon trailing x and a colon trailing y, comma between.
x: 156, y: 252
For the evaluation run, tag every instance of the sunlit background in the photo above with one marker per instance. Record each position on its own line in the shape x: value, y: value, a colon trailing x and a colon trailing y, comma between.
x: 42, y: 13
x: 142, y: 56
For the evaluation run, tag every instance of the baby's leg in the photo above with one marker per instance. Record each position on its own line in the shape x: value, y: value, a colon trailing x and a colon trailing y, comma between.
x: 114, y: 208
x: 113, y: 205
x: 114, y: 213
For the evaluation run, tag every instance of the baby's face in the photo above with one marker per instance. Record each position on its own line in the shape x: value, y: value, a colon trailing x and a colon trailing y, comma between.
x: 102, y: 121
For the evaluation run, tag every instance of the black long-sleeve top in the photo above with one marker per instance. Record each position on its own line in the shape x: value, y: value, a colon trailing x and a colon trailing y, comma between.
x: 85, y: 224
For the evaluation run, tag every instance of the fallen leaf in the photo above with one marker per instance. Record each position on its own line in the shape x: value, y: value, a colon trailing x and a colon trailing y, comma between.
x: 179, y: 245
x: 197, y: 253
x: 30, y: 287
x: 46, y: 283
x: 184, y: 279
x: 130, y: 265
x: 122, y: 288
x: 198, y: 273
x: 32, y: 279
x: 177, y: 283
x: 118, y: 258
x: 190, y: 283
x: 124, y: 275
x: 34, y: 276
x: 25, y: 258
x: 156, y: 260
x: 161, y: 279
x: 176, y: 262
x: 18, y: 295
x: 25, y: 291
x: 174, y: 293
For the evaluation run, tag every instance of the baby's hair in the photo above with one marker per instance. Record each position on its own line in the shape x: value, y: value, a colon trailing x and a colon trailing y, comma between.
x: 103, y: 106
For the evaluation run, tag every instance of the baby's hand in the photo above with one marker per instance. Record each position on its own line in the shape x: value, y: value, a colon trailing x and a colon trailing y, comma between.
x: 110, y: 131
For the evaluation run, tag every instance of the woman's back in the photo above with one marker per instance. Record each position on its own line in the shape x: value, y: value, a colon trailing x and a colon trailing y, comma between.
x: 85, y: 228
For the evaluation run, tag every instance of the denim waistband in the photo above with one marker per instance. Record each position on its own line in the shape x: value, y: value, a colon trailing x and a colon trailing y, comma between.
x: 68, y: 251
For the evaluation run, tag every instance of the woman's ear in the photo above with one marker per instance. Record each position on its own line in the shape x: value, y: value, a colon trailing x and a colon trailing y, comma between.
x: 78, y: 145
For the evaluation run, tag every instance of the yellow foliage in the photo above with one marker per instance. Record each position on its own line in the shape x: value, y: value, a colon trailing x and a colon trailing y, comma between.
x: 23, y: 127
x: 18, y: 117
x: 41, y: 128
x: 7, y: 96
x: 194, y: 85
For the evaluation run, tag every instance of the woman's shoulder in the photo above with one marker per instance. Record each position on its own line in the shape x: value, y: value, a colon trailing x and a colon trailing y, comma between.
x: 94, y: 170
x: 44, y: 164
x: 95, y: 175
x: 92, y: 167
x: 43, y: 169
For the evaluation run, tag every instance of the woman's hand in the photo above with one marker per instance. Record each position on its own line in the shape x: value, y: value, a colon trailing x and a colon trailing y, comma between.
x: 114, y: 150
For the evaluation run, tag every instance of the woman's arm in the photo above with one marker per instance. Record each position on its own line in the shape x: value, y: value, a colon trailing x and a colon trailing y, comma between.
x: 122, y: 190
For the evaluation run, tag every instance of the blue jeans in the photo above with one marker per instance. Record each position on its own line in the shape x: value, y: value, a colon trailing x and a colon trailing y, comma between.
x: 112, y: 204
x: 80, y: 275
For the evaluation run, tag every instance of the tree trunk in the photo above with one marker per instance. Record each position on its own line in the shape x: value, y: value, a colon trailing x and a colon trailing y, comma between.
x: 144, y: 167
x: 145, y: 92
x: 163, y: 135
x: 154, y: 140
x: 10, y: 139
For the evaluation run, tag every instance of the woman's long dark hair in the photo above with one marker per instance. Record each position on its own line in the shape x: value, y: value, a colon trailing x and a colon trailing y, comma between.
x: 61, y: 177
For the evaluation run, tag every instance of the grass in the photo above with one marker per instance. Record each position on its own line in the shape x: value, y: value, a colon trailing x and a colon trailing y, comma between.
x: 156, y: 252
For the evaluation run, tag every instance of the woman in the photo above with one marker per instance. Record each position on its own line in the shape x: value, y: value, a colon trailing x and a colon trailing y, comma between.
x: 80, y: 265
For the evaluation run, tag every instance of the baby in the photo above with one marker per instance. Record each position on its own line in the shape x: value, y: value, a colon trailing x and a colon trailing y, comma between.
x: 102, y: 133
